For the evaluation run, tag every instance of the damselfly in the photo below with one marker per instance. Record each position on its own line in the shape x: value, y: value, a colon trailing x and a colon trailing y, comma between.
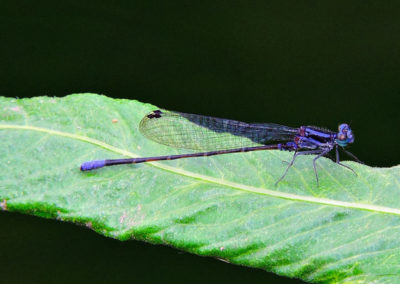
x: 216, y: 136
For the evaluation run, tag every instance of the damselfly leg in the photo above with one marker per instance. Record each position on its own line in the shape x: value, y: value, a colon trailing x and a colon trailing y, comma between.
x: 315, y: 159
x: 311, y: 152
x: 352, y: 155
x: 339, y: 163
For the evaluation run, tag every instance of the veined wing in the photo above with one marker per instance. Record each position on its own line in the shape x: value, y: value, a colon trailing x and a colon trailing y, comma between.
x: 198, y: 132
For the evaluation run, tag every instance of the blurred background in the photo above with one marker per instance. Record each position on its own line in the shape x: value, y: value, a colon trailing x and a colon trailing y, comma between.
x: 292, y: 62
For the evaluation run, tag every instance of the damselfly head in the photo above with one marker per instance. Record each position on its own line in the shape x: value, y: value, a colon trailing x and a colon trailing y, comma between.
x: 345, y: 135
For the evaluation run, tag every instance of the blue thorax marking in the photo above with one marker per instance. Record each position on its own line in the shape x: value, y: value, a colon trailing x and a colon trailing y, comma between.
x: 307, y: 142
x: 309, y: 131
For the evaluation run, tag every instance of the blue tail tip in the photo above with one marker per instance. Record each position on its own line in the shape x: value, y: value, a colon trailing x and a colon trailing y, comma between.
x: 88, y: 166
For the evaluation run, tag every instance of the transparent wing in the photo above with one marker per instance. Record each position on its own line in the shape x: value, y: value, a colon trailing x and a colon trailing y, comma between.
x: 198, y: 132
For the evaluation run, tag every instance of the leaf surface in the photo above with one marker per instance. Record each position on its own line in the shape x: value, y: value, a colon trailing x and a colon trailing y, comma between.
x: 347, y: 230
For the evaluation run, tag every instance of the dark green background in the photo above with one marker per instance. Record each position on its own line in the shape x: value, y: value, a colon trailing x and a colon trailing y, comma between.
x: 294, y: 63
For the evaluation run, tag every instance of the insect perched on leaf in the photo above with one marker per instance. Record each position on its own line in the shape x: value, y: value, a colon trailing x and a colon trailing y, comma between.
x: 216, y: 136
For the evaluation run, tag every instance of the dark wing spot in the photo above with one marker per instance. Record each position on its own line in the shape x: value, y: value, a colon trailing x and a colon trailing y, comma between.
x: 155, y: 114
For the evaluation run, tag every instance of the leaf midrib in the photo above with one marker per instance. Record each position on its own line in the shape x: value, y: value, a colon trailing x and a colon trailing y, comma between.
x: 238, y: 186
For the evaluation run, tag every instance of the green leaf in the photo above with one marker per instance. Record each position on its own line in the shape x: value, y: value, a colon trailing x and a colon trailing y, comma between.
x: 347, y: 230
